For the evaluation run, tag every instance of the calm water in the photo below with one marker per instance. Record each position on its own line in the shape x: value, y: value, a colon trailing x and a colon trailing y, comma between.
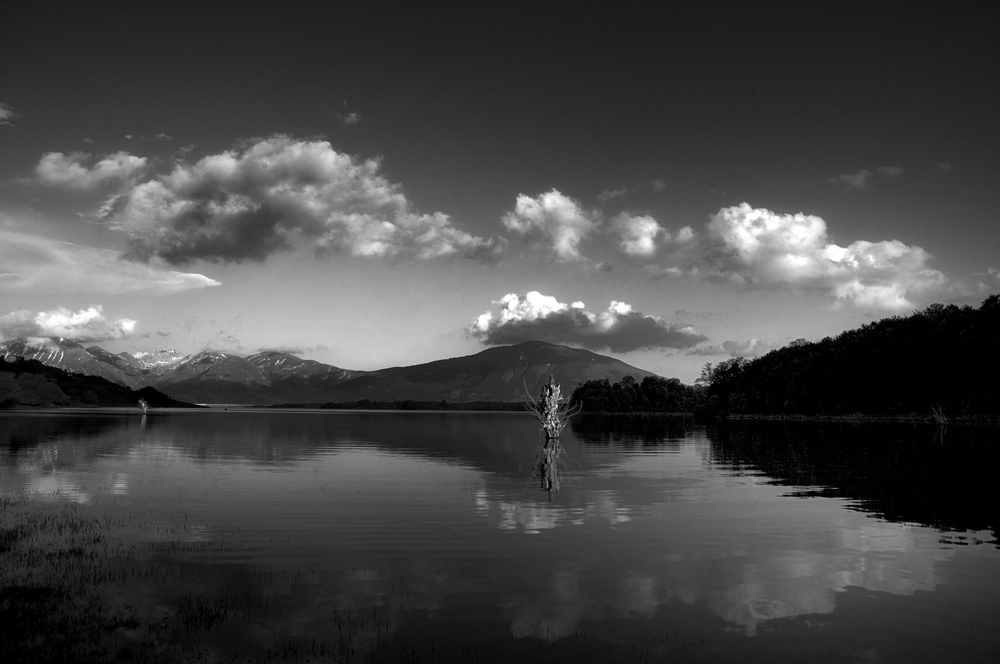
x: 665, y: 542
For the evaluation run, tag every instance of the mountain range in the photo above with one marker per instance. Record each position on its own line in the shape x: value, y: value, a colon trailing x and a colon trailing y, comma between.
x: 271, y: 377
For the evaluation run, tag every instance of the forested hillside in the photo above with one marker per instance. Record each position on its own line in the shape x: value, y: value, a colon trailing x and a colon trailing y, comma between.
x: 31, y: 383
x: 653, y: 394
x: 944, y: 359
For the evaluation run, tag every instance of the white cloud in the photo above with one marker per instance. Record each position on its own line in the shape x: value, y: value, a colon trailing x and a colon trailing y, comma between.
x: 554, y: 222
x: 651, y: 185
x: 543, y: 318
x: 889, y: 171
x: 611, y: 194
x: 70, y: 171
x: 748, y: 348
x: 667, y: 271
x: 85, y: 325
x: 757, y: 247
x: 638, y: 234
x: 864, y: 177
x: 276, y: 193
x: 36, y: 263
x: 857, y: 180
x: 163, y: 137
x: 6, y: 115
x: 350, y: 118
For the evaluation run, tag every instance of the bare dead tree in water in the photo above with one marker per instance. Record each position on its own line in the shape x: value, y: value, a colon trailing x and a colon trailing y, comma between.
x: 553, y: 414
x: 937, y: 412
x: 551, y: 410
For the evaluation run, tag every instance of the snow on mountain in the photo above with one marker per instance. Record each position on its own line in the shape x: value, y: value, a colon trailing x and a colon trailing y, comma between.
x: 160, y: 361
x: 70, y: 356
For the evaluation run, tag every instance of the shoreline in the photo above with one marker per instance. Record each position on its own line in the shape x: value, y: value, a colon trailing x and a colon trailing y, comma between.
x: 986, y: 420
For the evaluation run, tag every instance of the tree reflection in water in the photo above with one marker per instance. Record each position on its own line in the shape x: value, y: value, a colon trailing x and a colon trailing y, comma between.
x: 553, y: 412
x: 546, y: 467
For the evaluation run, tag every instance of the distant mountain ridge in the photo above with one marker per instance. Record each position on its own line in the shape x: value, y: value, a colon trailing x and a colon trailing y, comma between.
x: 268, y: 378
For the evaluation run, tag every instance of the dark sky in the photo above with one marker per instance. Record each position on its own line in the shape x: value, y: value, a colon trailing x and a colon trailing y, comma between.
x: 879, y: 118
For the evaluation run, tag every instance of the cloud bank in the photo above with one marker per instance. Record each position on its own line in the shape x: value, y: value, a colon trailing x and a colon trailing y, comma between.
x: 543, y: 318
x: 31, y: 262
x: 85, y: 325
x: 70, y: 171
x: 276, y: 193
x: 552, y: 222
x: 757, y: 247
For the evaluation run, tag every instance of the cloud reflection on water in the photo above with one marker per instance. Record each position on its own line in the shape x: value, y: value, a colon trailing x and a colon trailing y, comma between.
x: 635, y: 533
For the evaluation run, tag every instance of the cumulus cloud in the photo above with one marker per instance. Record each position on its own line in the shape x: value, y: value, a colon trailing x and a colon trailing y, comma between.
x: 273, y: 194
x: 350, y: 118
x: 543, y: 318
x: 889, y: 171
x: 638, y: 235
x: 757, y: 247
x: 31, y: 262
x: 642, y: 236
x: 748, y: 348
x: 553, y: 222
x: 70, y: 171
x: 6, y: 115
x: 85, y: 325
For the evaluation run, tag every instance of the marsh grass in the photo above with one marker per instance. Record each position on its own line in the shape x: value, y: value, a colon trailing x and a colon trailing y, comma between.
x: 78, y: 588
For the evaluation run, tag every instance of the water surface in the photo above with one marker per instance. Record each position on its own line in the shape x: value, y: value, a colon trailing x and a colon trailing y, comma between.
x: 665, y: 541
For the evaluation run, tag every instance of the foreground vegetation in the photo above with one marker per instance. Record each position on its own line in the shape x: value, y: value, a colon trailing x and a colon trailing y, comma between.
x: 80, y: 589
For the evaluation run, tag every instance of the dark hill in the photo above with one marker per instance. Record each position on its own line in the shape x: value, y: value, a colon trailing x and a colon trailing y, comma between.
x: 495, y: 374
x: 944, y: 359
x: 31, y: 383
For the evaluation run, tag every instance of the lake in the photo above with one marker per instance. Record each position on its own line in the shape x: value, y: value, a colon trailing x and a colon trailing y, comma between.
x: 261, y: 535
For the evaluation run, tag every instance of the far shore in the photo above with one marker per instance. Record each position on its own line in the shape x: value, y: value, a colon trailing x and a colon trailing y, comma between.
x: 988, y: 420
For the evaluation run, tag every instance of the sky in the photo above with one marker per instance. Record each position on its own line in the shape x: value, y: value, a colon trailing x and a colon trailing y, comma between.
x: 373, y: 187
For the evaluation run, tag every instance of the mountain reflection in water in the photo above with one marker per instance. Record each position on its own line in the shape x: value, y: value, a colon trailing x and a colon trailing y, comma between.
x: 664, y: 539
